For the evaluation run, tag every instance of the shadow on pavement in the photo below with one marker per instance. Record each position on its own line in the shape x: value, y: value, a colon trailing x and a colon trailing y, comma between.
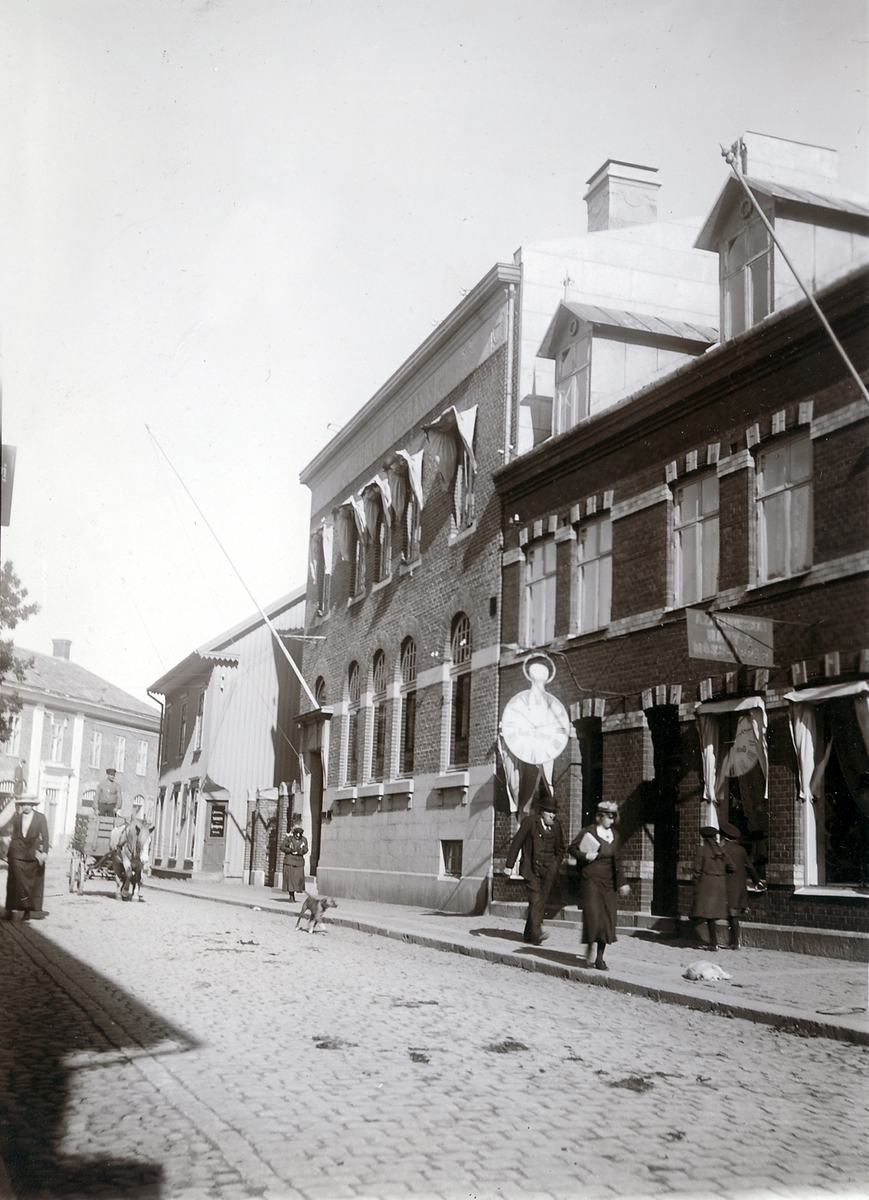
x: 49, y: 1035
x: 508, y: 935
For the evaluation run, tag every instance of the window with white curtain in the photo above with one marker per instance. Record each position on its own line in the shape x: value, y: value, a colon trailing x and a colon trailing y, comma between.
x: 12, y: 745
x: 142, y: 758
x: 56, y: 736
x: 696, y: 540
x: 594, y: 574
x: 540, y: 577
x: 120, y: 752
x: 784, y: 509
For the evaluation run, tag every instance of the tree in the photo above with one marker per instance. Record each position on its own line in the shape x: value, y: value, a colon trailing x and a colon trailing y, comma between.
x: 12, y: 610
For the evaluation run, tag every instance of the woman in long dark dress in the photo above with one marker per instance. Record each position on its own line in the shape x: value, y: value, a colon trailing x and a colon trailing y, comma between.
x: 596, y: 848
x: 294, y: 847
x: 710, y: 883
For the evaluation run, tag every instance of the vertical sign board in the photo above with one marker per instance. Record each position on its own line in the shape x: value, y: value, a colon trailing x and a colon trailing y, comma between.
x: 217, y: 827
x: 7, y: 477
x: 724, y: 637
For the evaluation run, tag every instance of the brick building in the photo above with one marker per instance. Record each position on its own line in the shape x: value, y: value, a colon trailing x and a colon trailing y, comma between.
x: 720, y: 512
x: 71, y: 727
x: 230, y: 771
x: 405, y: 582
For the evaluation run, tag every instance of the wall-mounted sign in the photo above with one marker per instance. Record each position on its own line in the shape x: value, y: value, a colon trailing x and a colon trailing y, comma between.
x: 725, y: 637
x: 534, y: 724
x: 217, y: 825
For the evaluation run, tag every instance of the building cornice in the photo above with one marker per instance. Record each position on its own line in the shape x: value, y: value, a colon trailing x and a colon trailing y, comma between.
x: 90, y: 708
x: 500, y: 276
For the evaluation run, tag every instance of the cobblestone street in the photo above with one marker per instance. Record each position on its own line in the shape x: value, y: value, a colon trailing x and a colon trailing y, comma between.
x: 182, y: 1048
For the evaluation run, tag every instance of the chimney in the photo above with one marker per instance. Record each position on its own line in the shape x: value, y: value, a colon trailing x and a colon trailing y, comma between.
x: 60, y: 647
x: 621, y: 194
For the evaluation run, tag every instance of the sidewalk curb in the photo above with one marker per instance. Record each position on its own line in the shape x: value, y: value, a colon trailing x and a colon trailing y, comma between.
x: 784, y: 1020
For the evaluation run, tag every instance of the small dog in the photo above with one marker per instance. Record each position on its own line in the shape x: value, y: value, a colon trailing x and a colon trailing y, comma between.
x: 312, y: 910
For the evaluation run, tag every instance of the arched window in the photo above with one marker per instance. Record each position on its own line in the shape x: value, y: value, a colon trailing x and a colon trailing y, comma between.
x: 460, y: 724
x: 353, y: 694
x: 320, y: 690
x: 378, y: 747
x: 408, y: 706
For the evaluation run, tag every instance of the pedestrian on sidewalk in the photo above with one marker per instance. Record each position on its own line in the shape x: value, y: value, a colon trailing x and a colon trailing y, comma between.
x: 294, y: 847
x: 739, y: 867
x: 597, y: 849
x: 710, y: 884
x: 28, y: 851
x: 540, y: 839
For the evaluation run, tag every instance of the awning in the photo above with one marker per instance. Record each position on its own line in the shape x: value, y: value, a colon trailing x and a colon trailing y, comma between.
x: 451, y: 431
x: 377, y: 501
x: 348, y: 515
x: 726, y: 706
x: 835, y: 691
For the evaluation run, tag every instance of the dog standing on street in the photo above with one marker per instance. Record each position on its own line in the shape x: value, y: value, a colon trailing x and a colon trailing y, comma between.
x: 312, y: 910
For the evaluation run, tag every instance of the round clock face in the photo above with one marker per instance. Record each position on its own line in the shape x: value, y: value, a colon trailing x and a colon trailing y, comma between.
x: 535, y: 726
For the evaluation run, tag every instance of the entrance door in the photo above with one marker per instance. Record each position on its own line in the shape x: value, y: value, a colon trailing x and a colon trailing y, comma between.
x: 214, y: 842
x: 316, y: 764
x: 661, y: 807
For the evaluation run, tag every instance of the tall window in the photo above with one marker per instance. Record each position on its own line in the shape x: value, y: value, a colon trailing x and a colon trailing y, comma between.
x: 200, y: 714
x: 378, y: 748
x: 747, y: 278
x: 182, y: 727
x: 12, y: 745
x: 460, y: 647
x: 595, y: 573
x: 382, y: 540
x: 120, y: 752
x: 320, y: 690
x: 408, y: 706
x: 696, y: 525
x: 463, y: 492
x: 572, y: 372
x: 357, y: 563
x: 540, y: 592
x: 784, y: 509
x: 409, y: 529
x: 142, y: 758
x: 55, y: 746
x: 96, y: 749
x: 353, y: 694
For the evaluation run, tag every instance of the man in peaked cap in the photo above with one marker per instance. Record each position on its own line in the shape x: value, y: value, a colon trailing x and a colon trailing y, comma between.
x: 107, y: 801
x: 28, y: 850
x: 540, y: 839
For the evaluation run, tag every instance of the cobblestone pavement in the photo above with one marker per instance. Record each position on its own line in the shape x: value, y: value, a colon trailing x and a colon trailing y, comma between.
x: 185, y: 1049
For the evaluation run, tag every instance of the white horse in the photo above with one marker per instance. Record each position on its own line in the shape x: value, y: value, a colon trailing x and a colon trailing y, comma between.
x: 131, y: 858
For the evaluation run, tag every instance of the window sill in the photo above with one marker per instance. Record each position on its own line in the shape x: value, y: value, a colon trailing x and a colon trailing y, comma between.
x: 453, y: 780
x: 381, y: 583
x: 842, y: 891
x: 398, y: 787
x: 347, y: 793
x: 462, y: 534
x: 370, y: 791
x: 357, y: 599
x: 408, y: 568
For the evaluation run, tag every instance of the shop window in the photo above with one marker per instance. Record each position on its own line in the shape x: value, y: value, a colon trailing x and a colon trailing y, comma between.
x: 746, y: 278
x: 696, y: 534
x: 378, y: 747
x: 96, y: 749
x: 784, y: 509
x: 451, y: 859
x: 736, y: 770
x: 540, y: 561
x: 460, y: 647
x: 594, y: 574
x: 408, y: 706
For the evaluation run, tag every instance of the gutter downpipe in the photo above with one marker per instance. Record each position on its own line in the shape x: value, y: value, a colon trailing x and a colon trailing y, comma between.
x: 151, y: 696
x: 730, y: 157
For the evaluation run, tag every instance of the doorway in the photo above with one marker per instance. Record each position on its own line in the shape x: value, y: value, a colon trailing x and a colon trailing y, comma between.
x: 662, y: 819
x: 214, y: 842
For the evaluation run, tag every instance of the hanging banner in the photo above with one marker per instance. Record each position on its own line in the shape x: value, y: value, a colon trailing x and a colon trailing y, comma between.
x: 724, y: 637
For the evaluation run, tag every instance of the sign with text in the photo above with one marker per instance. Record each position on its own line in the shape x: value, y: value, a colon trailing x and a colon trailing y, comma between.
x: 217, y: 825
x: 724, y: 637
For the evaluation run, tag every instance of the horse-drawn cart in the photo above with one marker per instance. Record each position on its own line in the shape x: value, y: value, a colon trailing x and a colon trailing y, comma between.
x: 89, y: 850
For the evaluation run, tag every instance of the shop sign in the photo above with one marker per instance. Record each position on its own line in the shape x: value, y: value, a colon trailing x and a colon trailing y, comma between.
x: 725, y: 637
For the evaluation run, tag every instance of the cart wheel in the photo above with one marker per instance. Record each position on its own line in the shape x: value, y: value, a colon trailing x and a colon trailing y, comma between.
x: 72, y: 873
x: 79, y: 882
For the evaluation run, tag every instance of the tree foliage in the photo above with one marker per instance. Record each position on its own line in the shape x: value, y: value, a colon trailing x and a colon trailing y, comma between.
x: 12, y: 611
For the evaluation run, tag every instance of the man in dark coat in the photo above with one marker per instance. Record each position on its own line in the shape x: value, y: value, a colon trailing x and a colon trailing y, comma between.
x: 28, y: 850
x: 739, y: 867
x: 540, y: 839
x: 108, y: 801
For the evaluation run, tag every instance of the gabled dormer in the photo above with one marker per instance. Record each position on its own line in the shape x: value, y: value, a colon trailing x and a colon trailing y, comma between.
x: 824, y: 228
x: 602, y: 355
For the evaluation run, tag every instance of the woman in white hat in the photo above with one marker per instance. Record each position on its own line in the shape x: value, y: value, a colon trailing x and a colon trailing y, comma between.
x: 597, y: 849
x: 28, y: 850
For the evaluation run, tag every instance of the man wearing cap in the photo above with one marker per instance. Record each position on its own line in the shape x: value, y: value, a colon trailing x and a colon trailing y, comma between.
x: 28, y: 850
x: 540, y: 839
x: 739, y: 866
x: 108, y: 800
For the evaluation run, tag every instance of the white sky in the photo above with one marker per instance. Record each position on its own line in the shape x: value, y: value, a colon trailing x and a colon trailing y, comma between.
x: 232, y: 220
